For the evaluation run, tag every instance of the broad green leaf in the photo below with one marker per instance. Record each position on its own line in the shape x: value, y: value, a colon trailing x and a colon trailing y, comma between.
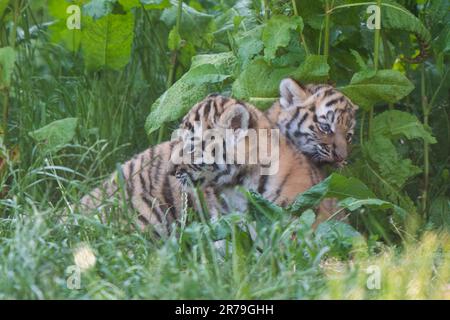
x: 369, y: 87
x: 391, y: 167
x: 191, y: 88
x: 313, y: 70
x: 7, y: 60
x: 389, y: 125
x: 224, y: 61
x: 54, y: 135
x: 277, y: 33
x: 249, y: 44
x: 206, y: 73
x: 250, y: 82
x: 335, y: 186
x: 394, y: 16
x: 248, y: 86
x: 353, y: 204
x: 107, y: 41
x: 260, y: 207
x: 395, y: 123
x: 194, y: 26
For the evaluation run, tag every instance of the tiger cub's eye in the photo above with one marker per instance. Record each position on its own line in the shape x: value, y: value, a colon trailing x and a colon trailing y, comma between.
x: 349, y: 136
x: 325, y: 128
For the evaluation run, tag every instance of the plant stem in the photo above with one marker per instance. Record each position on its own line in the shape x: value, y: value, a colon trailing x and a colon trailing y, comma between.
x: 376, y: 53
x: 173, y: 65
x: 326, y: 47
x: 16, y: 15
x: 376, y: 58
x: 294, y: 6
x: 5, y: 113
x: 426, y: 155
x: 266, y: 9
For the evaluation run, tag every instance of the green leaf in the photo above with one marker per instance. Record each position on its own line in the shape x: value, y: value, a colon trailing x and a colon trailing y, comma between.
x: 107, y: 41
x: 249, y: 44
x: 338, y: 236
x: 206, y: 73
x: 56, y: 134
x: 191, y: 88
x: 194, y: 26
x: 369, y: 87
x: 313, y: 70
x: 391, y: 167
x: 248, y: 83
x: 353, y: 204
x: 335, y: 186
x: 7, y: 61
x: 389, y: 125
x: 3, y: 6
x: 224, y: 61
x: 262, y: 209
x: 277, y: 33
x: 98, y: 8
x: 394, y: 16
x: 395, y: 123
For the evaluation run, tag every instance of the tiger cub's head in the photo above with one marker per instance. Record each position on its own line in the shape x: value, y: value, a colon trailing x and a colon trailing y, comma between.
x: 210, y: 130
x: 318, y: 119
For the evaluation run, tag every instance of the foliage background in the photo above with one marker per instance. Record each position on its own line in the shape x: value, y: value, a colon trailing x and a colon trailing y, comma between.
x: 74, y: 103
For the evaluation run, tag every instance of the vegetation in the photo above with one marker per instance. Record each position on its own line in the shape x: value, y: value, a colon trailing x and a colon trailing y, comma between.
x: 74, y: 103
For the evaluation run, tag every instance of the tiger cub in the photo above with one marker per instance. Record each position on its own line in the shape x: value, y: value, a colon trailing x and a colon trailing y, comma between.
x: 318, y: 119
x: 148, y: 188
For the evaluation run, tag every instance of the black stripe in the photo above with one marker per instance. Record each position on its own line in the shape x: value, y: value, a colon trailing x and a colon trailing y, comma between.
x: 143, y: 219
x: 288, y: 125
x: 280, y: 187
x: 305, y: 116
x: 151, y: 208
x: 332, y: 102
x: 262, y: 184
x: 207, y: 108
x: 142, y: 180
x: 129, y: 180
x: 168, y: 197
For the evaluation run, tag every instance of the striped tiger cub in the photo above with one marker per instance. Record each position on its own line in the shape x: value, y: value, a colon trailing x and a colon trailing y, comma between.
x: 318, y: 119
x: 148, y: 188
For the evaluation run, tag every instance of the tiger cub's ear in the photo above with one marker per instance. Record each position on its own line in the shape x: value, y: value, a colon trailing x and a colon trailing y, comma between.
x: 291, y: 93
x: 235, y: 117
